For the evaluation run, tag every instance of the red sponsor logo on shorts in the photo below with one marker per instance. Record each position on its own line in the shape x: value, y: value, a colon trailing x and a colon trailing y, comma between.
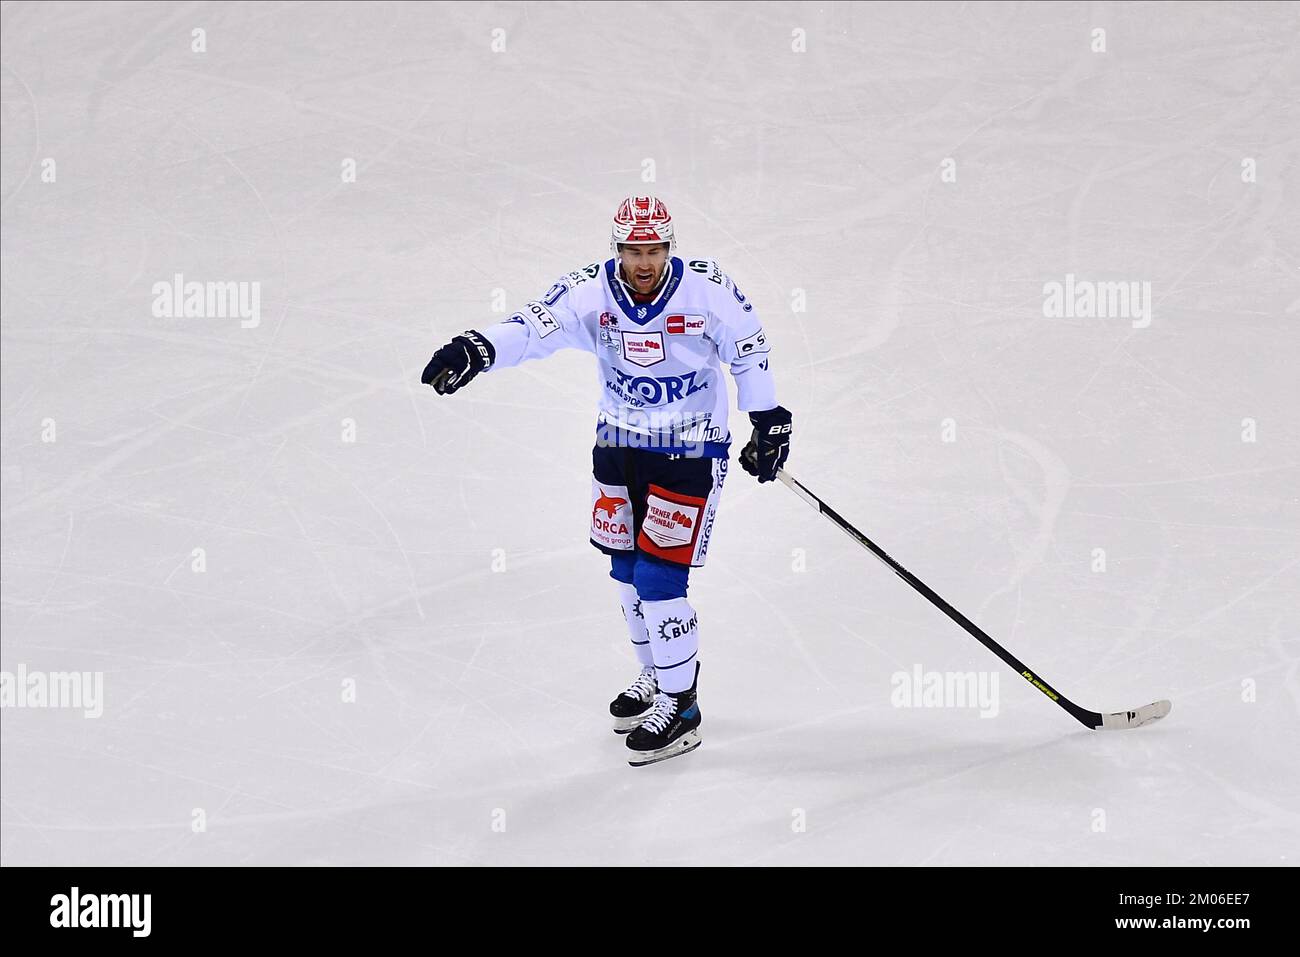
x: 608, y: 504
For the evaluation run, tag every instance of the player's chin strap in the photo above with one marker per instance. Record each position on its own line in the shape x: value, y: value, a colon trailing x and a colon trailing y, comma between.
x: 658, y: 286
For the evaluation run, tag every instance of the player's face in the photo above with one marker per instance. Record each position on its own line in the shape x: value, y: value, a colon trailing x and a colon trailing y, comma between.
x: 642, y: 265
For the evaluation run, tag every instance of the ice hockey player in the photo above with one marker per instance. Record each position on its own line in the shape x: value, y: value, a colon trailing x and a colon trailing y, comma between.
x: 660, y: 329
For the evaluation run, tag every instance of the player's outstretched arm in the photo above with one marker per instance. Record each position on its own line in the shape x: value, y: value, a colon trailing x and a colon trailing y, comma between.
x: 536, y: 331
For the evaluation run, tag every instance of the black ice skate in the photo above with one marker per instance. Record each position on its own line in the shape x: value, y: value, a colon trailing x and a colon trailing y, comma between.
x: 671, y: 727
x: 632, y: 706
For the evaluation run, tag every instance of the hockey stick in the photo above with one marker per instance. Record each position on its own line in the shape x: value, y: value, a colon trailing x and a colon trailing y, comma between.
x: 1090, y: 719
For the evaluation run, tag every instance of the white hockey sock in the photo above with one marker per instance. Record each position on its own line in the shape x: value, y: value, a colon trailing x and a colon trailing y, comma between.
x: 675, y: 640
x: 635, y: 624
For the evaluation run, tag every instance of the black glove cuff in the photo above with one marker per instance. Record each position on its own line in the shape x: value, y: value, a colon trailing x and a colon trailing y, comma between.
x: 480, y: 348
x: 764, y: 421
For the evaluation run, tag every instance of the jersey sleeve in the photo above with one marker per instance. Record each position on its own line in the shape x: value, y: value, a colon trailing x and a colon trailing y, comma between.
x: 738, y: 335
x: 541, y: 327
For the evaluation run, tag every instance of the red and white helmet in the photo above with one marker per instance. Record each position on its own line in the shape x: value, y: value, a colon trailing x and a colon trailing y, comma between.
x: 642, y: 221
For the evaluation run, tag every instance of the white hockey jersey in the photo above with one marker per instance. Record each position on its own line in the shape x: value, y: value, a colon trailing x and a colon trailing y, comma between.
x: 659, y: 362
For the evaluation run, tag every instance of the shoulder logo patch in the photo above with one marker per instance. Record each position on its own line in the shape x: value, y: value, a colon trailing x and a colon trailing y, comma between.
x: 540, y: 318
x: 752, y: 344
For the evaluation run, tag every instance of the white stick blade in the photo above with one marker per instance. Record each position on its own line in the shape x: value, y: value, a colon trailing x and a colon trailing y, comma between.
x: 1135, y: 719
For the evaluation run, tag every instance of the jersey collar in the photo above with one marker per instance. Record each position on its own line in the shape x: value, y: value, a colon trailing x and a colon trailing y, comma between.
x: 643, y: 313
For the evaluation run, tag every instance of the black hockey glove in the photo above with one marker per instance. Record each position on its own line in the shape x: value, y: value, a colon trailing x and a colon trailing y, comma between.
x: 769, y: 446
x: 457, y: 362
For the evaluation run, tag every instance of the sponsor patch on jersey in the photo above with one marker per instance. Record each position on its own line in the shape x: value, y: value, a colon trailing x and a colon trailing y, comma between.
x: 611, y: 516
x: 708, y: 269
x: 671, y: 525
x: 578, y: 276
x: 643, y: 390
x: 753, y: 344
x: 609, y: 326
x: 609, y: 332
x: 643, y: 348
x: 685, y: 325
x: 540, y: 318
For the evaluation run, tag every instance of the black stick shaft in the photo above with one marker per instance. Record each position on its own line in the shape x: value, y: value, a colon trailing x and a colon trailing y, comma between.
x: 1089, y: 719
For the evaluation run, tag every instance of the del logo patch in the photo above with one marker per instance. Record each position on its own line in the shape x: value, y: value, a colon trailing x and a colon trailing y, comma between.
x: 643, y: 348
x: 685, y: 325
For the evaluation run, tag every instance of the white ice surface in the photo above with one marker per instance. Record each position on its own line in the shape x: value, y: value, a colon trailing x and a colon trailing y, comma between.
x: 373, y: 561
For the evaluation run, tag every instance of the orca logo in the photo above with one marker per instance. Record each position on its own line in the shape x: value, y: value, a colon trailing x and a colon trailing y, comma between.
x: 611, y: 517
x: 608, y: 504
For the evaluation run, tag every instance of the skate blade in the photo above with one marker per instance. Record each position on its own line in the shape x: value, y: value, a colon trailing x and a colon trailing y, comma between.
x: 683, y: 745
x: 628, y: 725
